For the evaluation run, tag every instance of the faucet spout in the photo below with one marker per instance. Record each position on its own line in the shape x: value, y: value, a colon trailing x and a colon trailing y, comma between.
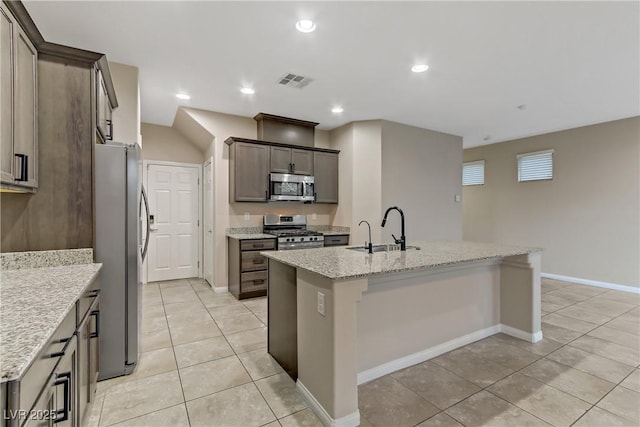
x: 370, y: 245
x: 402, y: 241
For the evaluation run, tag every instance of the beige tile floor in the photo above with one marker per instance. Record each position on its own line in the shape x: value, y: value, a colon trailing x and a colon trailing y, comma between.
x: 203, y: 362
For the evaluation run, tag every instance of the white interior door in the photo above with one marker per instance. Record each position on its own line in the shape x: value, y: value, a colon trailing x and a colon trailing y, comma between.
x: 208, y: 221
x: 173, y: 208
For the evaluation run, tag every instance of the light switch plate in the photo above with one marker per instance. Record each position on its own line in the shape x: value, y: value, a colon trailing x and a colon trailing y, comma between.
x: 247, y: 216
x: 457, y: 198
x: 314, y: 216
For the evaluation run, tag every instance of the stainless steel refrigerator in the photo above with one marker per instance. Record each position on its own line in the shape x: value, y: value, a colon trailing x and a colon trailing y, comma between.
x: 119, y: 195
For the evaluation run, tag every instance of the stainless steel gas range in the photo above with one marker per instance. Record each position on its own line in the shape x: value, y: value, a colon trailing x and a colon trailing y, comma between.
x: 291, y: 231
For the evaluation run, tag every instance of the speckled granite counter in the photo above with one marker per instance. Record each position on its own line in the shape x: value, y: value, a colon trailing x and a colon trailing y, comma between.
x: 344, y: 264
x: 41, y: 259
x: 34, y: 302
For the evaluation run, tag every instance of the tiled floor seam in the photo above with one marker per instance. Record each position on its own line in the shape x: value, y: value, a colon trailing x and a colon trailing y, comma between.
x: 173, y: 349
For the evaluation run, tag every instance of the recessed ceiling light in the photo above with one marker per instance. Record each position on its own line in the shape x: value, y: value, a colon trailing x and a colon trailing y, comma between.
x: 419, y: 68
x: 522, y: 107
x: 182, y: 96
x: 337, y: 110
x: 486, y: 138
x: 247, y: 91
x: 305, y: 26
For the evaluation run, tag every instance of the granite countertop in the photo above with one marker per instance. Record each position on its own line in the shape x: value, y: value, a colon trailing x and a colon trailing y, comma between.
x: 34, y: 303
x: 250, y: 236
x: 341, y: 263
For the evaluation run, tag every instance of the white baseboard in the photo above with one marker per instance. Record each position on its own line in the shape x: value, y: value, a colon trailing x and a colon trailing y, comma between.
x: 220, y: 289
x: 589, y: 282
x: 351, y: 420
x: 523, y: 335
x: 421, y: 356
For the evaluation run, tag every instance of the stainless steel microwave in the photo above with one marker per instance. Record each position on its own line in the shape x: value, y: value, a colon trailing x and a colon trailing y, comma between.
x: 288, y: 187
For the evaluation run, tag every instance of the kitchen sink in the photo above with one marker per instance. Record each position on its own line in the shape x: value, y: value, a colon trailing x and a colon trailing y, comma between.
x: 384, y: 248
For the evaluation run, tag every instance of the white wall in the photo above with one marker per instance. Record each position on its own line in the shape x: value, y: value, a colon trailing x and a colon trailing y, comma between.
x: 421, y: 174
x: 126, y: 118
x: 167, y: 144
x: 587, y: 218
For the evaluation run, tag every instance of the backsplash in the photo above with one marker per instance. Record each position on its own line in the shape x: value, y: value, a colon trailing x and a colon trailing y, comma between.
x: 332, y: 228
x: 244, y: 230
x: 41, y: 259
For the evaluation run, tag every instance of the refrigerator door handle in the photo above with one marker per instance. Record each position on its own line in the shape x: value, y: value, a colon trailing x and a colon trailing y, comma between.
x: 146, y: 209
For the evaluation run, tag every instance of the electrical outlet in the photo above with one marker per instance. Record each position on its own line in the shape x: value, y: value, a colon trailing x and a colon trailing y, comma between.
x: 314, y: 216
x: 321, y: 303
x: 457, y: 198
x: 247, y: 216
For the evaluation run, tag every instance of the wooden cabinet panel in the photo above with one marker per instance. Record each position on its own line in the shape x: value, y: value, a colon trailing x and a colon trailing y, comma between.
x: 18, y: 97
x: 302, y: 162
x: 6, y: 96
x: 336, y: 240
x: 325, y: 167
x: 258, y: 245
x: 25, y: 129
x: 291, y: 160
x: 280, y: 160
x: 251, y: 172
x: 252, y: 282
x: 252, y: 261
x: 103, y: 111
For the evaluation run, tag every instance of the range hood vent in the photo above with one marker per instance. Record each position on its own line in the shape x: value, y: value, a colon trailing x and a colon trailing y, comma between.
x: 285, y: 130
x: 294, y: 80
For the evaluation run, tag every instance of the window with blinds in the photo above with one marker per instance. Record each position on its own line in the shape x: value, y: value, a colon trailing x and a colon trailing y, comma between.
x: 535, y: 166
x: 473, y: 173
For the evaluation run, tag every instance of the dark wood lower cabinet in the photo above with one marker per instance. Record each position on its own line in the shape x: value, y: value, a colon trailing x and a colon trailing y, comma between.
x: 248, y: 270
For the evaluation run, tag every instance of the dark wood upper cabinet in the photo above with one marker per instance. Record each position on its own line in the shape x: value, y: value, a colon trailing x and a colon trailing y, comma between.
x: 326, y: 177
x: 285, y: 130
x: 280, y: 160
x: 291, y: 160
x: 18, y: 119
x: 252, y: 160
x: 104, y: 111
x: 249, y: 172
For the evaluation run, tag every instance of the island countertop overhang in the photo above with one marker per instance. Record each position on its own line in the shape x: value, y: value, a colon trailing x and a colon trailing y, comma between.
x: 340, y: 263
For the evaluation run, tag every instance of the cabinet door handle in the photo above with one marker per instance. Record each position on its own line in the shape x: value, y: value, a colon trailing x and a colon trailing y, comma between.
x: 96, y: 314
x: 266, y: 194
x: 110, y: 127
x: 24, y: 167
x: 64, y: 380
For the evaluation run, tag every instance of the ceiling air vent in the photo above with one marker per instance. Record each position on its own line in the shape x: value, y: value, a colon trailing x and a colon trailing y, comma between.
x: 293, y: 80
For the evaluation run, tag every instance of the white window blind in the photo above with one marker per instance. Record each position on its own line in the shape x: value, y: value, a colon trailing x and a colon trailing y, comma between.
x: 473, y: 173
x: 535, y: 166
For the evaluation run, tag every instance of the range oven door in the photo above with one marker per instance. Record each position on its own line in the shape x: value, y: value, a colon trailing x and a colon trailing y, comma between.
x: 288, y: 187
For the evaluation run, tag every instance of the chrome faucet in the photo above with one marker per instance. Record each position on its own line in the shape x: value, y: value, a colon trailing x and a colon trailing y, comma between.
x: 370, y: 245
x: 402, y: 241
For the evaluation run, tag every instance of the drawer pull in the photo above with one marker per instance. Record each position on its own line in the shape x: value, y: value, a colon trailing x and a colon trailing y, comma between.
x: 64, y: 380
x: 258, y: 281
x: 258, y: 261
x: 93, y: 293
x: 258, y: 245
x: 96, y: 334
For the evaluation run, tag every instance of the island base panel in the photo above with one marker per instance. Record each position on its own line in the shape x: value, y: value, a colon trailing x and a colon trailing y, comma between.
x: 282, y: 342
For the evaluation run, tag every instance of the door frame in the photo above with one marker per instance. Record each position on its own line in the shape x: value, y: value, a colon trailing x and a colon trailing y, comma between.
x: 145, y: 180
x: 213, y: 216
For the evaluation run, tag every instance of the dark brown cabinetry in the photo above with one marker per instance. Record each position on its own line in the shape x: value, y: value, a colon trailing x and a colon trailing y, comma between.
x: 88, y: 351
x: 248, y: 270
x: 18, y: 119
x: 251, y: 161
x: 249, y: 172
x: 104, y: 111
x: 291, y: 160
x: 325, y: 167
x: 60, y: 214
x: 336, y: 240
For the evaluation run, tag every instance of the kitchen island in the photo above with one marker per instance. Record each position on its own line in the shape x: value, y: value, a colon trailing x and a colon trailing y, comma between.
x: 340, y: 317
